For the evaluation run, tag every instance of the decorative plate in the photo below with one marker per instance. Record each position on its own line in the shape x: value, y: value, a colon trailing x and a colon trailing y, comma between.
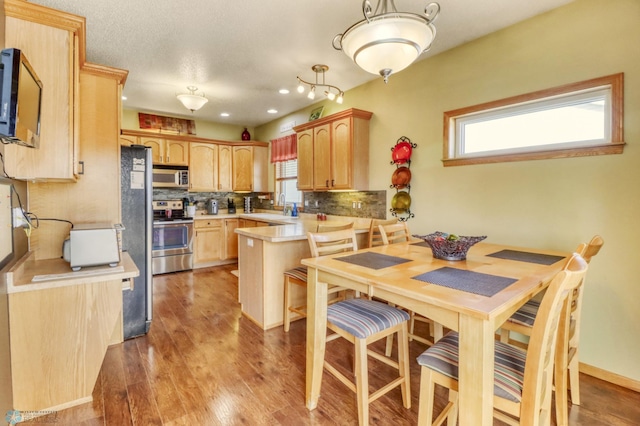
x: 401, y: 202
x: 401, y: 153
x: 401, y: 177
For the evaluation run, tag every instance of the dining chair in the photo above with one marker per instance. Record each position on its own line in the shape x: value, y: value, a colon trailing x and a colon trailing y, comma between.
x: 567, y: 364
x: 397, y: 233
x: 363, y: 322
x: 375, y: 239
x: 298, y: 277
x: 522, y: 378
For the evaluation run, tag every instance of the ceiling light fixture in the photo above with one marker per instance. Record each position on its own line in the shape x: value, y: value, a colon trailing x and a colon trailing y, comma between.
x: 191, y: 100
x: 387, y: 41
x: 329, y: 92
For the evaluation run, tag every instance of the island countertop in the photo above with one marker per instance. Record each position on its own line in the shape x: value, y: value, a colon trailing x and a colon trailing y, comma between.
x: 292, y: 229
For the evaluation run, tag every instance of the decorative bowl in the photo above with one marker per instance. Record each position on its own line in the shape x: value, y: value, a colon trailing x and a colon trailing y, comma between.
x: 449, y: 246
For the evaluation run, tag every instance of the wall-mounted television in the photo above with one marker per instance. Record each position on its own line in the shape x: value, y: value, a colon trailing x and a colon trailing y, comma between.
x: 20, y: 100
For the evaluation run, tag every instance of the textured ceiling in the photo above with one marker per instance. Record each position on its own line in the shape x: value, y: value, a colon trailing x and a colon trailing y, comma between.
x: 241, y: 52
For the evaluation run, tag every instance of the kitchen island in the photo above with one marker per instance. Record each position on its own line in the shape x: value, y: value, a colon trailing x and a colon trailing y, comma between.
x: 265, y: 253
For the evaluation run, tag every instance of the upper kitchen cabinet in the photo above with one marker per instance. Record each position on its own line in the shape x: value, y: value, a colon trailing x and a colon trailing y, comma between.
x: 167, y: 151
x: 127, y: 140
x: 243, y: 168
x: 333, y: 152
x: 225, y: 168
x: 53, y: 41
x: 203, y: 168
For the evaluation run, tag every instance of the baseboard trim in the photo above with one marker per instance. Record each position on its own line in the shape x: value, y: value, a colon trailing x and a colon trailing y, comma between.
x: 610, y: 377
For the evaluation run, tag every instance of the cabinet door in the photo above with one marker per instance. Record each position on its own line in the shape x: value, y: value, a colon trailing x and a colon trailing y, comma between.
x: 157, y: 149
x: 51, y: 51
x: 247, y: 223
x: 322, y: 157
x: 209, y: 243
x: 203, y: 175
x: 341, y: 154
x: 225, y: 163
x: 242, y: 168
x: 127, y: 140
x: 260, y: 169
x: 231, y: 238
x: 176, y: 153
x: 305, y: 160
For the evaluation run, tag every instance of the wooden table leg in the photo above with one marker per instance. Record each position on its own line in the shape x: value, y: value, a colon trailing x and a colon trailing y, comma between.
x: 476, y: 372
x: 316, y: 336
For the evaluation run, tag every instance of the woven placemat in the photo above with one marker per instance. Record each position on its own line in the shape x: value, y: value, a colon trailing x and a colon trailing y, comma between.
x: 524, y: 256
x: 471, y: 282
x: 373, y: 260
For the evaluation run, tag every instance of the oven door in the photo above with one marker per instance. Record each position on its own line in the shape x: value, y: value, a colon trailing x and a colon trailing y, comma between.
x: 172, y: 238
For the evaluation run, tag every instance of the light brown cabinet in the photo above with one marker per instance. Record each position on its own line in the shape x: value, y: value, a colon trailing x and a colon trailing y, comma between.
x: 209, y: 241
x: 225, y: 169
x: 333, y: 152
x: 127, y: 140
x: 243, y: 168
x: 49, y: 41
x: 231, y: 238
x: 203, y: 167
x: 167, y: 151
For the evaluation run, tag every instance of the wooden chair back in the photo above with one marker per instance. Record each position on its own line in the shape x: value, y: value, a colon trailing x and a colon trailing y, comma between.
x: 325, y: 227
x: 375, y: 239
x: 324, y: 243
x: 394, y: 233
x: 552, y: 316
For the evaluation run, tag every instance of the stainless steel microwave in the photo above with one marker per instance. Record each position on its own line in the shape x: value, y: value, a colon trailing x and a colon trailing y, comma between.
x: 170, y: 178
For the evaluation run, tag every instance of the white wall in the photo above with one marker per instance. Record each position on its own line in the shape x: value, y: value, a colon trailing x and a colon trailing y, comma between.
x: 553, y: 204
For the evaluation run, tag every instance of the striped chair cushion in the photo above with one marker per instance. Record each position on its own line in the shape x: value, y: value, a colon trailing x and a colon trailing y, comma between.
x: 508, y: 376
x: 299, y: 272
x: 527, y: 314
x: 363, y: 317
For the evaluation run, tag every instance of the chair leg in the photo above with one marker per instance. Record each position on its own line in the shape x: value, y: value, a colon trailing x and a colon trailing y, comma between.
x: 287, y: 303
x: 427, y: 395
x: 504, y: 335
x: 403, y: 365
x: 562, y: 404
x: 574, y: 380
x: 362, y: 381
x: 389, y: 346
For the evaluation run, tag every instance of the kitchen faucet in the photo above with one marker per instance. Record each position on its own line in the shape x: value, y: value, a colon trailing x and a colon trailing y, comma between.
x: 283, y: 202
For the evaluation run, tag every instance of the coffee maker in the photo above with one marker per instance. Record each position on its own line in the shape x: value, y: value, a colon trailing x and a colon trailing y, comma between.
x: 212, y: 206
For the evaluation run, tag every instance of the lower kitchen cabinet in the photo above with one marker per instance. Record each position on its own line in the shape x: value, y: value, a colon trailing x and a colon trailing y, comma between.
x: 209, y: 241
x: 231, y: 238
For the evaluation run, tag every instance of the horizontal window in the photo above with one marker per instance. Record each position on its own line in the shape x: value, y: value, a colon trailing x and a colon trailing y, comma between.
x: 577, y: 119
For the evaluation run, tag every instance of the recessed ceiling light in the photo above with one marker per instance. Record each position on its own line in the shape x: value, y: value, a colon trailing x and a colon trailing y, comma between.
x: 124, y: 98
x: 283, y: 91
x: 224, y: 114
x: 272, y: 111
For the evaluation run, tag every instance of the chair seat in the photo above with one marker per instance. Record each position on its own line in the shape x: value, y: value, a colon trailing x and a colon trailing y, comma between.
x: 363, y: 318
x: 526, y: 315
x: 509, y: 365
x: 299, y: 272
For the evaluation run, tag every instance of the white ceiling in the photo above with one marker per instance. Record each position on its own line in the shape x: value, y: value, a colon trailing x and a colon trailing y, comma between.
x: 241, y: 52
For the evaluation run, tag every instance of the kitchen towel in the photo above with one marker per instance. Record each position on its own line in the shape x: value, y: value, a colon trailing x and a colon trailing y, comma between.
x: 471, y: 282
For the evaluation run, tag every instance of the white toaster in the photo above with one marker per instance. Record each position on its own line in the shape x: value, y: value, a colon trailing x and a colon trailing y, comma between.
x: 91, y: 245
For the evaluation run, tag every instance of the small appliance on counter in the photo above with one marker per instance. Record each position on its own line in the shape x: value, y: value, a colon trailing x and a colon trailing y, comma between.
x: 212, y: 206
x: 247, y: 204
x: 231, y: 206
x: 91, y: 245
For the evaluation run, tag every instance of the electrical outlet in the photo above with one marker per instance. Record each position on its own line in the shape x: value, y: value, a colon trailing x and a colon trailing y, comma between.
x: 353, y: 204
x: 19, y: 221
x: 359, y: 204
x: 306, y: 203
x: 316, y: 203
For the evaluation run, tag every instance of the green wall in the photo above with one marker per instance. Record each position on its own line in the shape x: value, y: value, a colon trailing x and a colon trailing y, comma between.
x: 552, y: 204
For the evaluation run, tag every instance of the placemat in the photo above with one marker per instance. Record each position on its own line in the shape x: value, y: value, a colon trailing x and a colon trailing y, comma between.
x: 471, y: 282
x: 373, y: 260
x: 524, y: 256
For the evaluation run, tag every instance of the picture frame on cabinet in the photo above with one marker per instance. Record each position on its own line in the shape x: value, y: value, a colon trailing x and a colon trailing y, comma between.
x: 316, y: 113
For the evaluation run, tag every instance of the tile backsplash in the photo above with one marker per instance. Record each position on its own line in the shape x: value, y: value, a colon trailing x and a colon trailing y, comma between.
x: 370, y: 204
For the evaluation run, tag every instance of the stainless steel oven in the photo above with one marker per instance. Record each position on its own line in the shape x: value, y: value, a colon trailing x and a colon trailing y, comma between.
x: 172, y: 248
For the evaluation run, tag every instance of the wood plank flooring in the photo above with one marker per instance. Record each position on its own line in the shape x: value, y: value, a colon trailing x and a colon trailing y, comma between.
x: 202, y: 363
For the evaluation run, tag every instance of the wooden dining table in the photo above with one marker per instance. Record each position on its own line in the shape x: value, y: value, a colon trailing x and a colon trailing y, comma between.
x: 396, y: 273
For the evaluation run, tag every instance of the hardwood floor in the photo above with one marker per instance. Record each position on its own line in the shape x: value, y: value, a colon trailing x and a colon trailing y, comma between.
x: 202, y: 363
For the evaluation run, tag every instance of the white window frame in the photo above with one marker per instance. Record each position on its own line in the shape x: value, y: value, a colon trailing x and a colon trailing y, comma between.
x: 293, y: 197
x: 609, y: 89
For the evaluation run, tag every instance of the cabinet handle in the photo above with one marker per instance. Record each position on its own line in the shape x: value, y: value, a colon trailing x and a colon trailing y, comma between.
x: 326, y: 183
x: 161, y: 159
x: 333, y: 183
x: 168, y: 159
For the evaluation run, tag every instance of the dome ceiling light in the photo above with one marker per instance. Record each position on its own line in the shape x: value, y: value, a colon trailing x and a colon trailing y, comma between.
x: 331, y: 92
x: 387, y: 41
x: 191, y: 100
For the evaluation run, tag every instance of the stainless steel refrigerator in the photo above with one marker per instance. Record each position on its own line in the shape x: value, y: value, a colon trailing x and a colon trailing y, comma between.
x: 137, y: 219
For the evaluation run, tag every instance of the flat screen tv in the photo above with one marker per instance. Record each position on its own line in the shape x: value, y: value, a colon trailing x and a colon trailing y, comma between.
x: 20, y: 100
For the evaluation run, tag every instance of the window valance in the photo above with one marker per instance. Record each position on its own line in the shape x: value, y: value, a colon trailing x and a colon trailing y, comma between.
x: 284, y: 148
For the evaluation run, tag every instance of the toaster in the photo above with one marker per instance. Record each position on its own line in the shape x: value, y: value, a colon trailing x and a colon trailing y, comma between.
x: 91, y: 245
